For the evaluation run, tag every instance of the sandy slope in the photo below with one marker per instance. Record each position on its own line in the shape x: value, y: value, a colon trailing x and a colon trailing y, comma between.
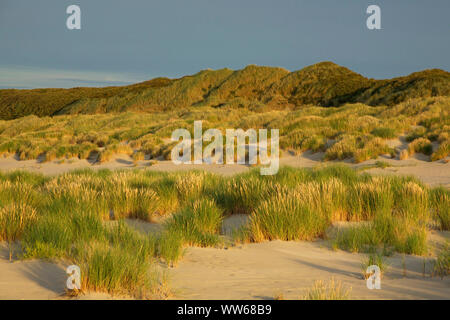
x: 431, y: 173
x: 36, y: 280
x: 253, y: 271
x: 30, y: 279
x: 262, y: 271
x: 118, y: 162
x: 265, y: 270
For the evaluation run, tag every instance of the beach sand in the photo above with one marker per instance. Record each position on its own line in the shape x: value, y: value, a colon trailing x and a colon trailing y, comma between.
x: 250, y: 271
x: 269, y: 269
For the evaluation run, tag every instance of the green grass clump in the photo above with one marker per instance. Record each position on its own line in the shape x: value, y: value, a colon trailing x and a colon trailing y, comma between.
x: 333, y: 290
x: 134, y: 203
x: 198, y: 223
x: 14, y: 218
x: 55, y: 232
x: 373, y: 259
x: 116, y: 260
x: 286, y: 217
x: 382, y: 164
x: 420, y: 145
x: 114, y: 270
x: 384, y: 132
x: 384, y: 232
x: 169, y: 201
x: 440, y: 204
x: 369, y: 198
x: 241, y: 194
x: 442, y: 152
x: 441, y: 266
x: 121, y: 263
x: 416, y: 134
x: 191, y: 185
x: 138, y: 156
x: 170, y: 247
x: 360, y: 148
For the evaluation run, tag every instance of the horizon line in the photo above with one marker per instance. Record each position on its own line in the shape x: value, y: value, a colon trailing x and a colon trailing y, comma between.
x: 101, y: 79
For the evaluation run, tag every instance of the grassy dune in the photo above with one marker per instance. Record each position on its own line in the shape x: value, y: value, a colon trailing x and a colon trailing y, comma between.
x: 71, y: 216
x: 324, y: 84
x: 352, y: 131
x: 80, y: 216
x: 323, y: 107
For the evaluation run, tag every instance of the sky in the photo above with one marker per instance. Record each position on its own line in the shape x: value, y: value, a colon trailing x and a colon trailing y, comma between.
x: 123, y: 42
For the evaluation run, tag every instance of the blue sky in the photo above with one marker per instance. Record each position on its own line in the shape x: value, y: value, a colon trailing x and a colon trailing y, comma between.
x: 128, y: 41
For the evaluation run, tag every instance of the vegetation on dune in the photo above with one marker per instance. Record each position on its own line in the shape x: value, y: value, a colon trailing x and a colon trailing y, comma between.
x: 399, y: 233
x: 374, y: 259
x: 324, y: 84
x: 287, y: 218
x: 198, y: 223
x: 333, y: 290
x: 441, y: 265
x: 427, y: 83
x: 79, y: 216
x: 353, y: 131
x: 321, y: 290
x: 44, y: 102
x: 244, y: 87
x: 441, y: 207
x: 323, y: 107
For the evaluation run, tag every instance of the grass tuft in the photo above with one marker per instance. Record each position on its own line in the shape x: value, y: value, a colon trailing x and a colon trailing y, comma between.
x: 333, y: 290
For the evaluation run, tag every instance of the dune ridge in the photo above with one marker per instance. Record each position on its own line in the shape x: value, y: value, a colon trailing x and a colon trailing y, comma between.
x: 323, y: 84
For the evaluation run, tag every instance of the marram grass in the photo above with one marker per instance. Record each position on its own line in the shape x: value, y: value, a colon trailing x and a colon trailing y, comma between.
x: 198, y: 223
x: 73, y: 216
x: 331, y: 290
x: 352, y: 131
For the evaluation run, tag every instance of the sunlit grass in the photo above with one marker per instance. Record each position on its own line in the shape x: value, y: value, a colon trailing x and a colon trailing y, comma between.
x: 351, y: 131
x: 78, y: 216
x: 331, y: 290
x: 198, y: 223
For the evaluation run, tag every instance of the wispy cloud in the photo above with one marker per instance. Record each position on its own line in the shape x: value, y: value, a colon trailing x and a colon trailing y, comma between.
x: 22, y: 77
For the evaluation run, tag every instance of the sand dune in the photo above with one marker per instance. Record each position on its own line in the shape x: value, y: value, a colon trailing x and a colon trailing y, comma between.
x: 264, y: 270
x: 250, y: 271
x: 36, y: 280
x: 30, y: 279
